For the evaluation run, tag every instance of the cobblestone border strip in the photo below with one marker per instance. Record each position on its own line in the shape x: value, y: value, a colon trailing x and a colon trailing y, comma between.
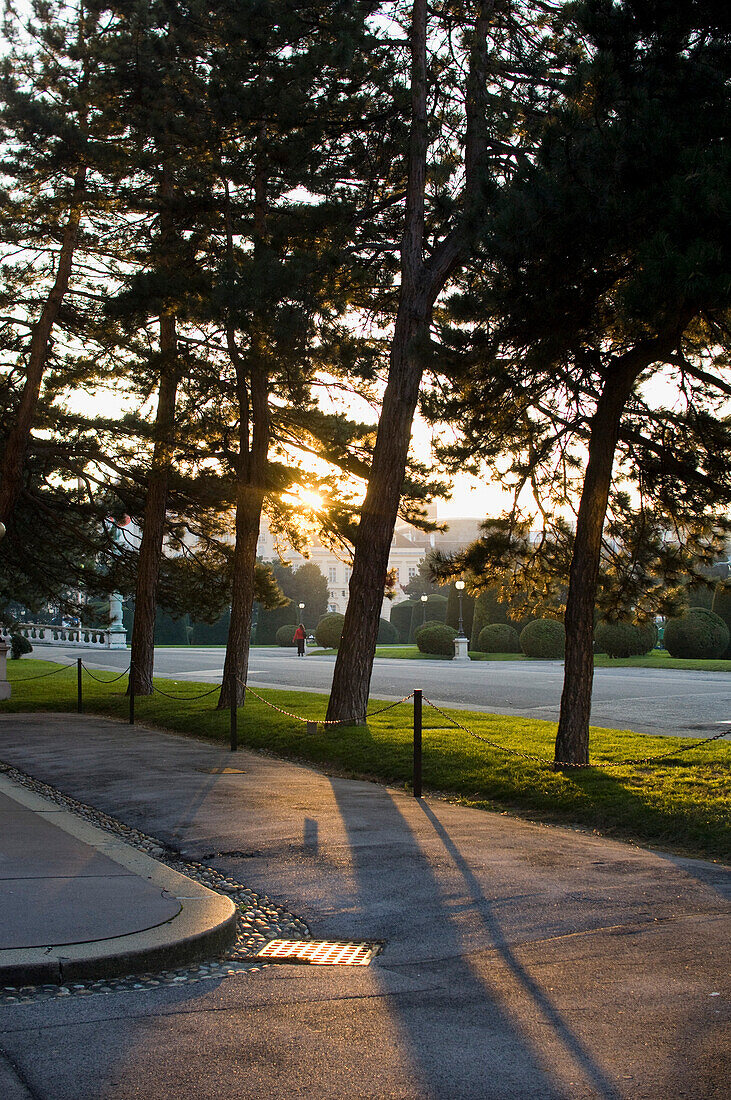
x: 259, y: 918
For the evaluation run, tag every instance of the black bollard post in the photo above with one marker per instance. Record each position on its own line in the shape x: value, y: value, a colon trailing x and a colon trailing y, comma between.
x: 234, y: 716
x: 79, y: 705
x: 131, y: 694
x: 417, y: 743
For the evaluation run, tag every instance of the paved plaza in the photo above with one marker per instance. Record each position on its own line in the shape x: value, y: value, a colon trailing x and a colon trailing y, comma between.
x: 519, y: 960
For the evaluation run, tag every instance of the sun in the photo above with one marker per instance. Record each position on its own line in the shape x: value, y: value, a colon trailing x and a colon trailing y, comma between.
x: 310, y: 499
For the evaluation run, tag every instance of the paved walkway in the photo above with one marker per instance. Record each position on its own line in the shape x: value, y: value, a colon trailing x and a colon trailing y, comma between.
x: 78, y: 903
x: 520, y: 961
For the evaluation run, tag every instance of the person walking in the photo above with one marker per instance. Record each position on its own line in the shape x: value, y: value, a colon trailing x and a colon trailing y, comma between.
x: 299, y: 638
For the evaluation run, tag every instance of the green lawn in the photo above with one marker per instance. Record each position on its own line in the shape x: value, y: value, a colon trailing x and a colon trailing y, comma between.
x: 656, y: 659
x: 681, y: 803
x: 660, y: 658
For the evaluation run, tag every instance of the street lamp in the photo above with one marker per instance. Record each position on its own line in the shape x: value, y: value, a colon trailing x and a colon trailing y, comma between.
x: 423, y: 604
x: 459, y: 585
x: 302, y: 613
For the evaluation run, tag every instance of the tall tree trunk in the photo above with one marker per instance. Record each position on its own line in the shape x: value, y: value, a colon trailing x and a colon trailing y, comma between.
x: 421, y: 282
x: 572, y: 739
x: 251, y: 478
x: 354, y: 664
x: 251, y: 473
x: 142, y: 654
x: 236, y: 665
x: 16, y: 445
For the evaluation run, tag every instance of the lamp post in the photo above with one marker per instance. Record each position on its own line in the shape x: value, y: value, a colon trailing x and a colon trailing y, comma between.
x: 460, y: 642
x: 459, y: 585
x: 423, y: 606
x: 302, y: 613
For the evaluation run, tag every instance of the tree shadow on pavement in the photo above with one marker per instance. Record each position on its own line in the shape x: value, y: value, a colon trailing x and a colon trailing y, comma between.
x: 467, y: 1039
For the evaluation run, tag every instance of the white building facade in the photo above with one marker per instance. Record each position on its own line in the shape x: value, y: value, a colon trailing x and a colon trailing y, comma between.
x: 408, y: 548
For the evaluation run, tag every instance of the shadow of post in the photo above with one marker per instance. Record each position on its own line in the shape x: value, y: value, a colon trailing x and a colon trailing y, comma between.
x: 464, y: 1040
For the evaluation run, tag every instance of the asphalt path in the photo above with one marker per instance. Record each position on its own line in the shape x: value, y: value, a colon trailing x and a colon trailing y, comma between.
x: 520, y: 961
x: 653, y: 701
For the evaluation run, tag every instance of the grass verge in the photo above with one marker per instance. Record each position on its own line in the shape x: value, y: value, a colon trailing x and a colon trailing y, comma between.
x: 656, y: 659
x: 680, y: 803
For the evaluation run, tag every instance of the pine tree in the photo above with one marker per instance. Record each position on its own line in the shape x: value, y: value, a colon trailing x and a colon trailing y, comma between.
x: 435, y: 240
x: 281, y: 282
x: 605, y: 263
x: 153, y: 82
x: 48, y: 155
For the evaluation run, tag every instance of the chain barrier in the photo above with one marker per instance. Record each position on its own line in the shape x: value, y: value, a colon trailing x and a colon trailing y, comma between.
x: 99, y: 680
x: 319, y: 721
x: 565, y: 764
x: 485, y: 740
x: 191, y: 698
x: 42, y: 675
x: 389, y: 706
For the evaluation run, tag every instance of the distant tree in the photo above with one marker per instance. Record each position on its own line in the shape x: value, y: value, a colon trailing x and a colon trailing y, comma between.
x: 422, y: 583
x: 305, y: 585
x: 433, y: 609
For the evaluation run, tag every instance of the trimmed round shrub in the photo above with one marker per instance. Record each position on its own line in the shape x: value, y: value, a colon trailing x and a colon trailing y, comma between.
x: 329, y: 630
x: 698, y: 634
x: 435, y: 637
x: 499, y: 638
x: 18, y: 646
x: 722, y: 608
x: 284, y: 635
x: 625, y: 639
x: 387, y: 633
x: 544, y: 638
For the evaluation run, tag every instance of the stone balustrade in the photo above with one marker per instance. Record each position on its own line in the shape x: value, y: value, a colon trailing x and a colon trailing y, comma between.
x: 68, y: 636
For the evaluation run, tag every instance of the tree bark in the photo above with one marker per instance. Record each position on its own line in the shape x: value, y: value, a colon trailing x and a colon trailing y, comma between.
x: 253, y: 458
x: 354, y: 664
x: 572, y: 739
x: 236, y: 665
x: 142, y: 654
x: 254, y: 435
x: 16, y: 445
x: 421, y: 281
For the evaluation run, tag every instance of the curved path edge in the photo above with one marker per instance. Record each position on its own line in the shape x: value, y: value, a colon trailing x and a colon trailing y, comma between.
x: 203, y: 925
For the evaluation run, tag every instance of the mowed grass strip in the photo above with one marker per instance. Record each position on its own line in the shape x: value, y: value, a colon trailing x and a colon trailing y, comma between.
x: 657, y: 659
x: 681, y: 803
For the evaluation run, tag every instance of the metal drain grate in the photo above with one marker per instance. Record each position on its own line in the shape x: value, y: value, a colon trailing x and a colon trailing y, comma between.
x: 319, y: 952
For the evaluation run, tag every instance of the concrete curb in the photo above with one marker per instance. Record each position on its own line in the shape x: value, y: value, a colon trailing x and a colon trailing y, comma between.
x: 205, y: 924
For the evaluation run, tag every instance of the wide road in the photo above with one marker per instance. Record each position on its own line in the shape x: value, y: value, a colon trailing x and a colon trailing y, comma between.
x: 654, y: 701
